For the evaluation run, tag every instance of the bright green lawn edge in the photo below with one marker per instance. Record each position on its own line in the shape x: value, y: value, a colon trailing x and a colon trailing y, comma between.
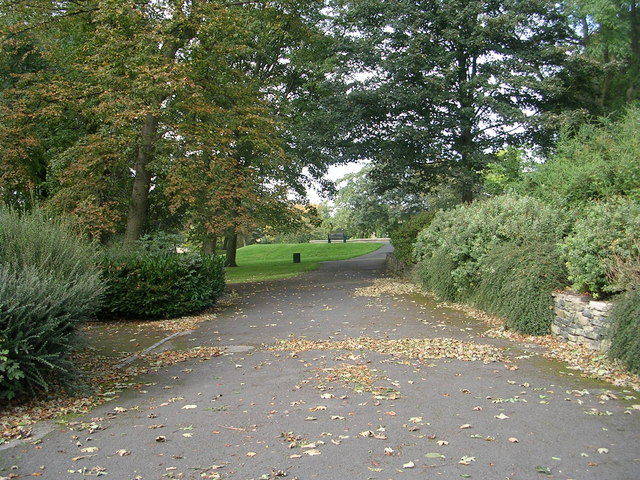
x: 258, y: 263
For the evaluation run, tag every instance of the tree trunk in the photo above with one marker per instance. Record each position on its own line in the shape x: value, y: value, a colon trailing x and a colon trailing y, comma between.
x: 231, y: 242
x: 209, y: 245
x: 139, y: 203
x: 466, y: 192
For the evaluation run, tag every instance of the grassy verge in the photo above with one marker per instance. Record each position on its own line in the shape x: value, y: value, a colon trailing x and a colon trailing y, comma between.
x: 269, y: 262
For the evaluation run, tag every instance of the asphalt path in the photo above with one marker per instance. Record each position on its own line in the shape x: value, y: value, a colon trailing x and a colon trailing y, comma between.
x: 307, y: 413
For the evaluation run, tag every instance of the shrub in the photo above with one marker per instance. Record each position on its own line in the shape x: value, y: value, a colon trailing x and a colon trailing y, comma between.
x: 598, y: 162
x: 467, y: 233
x: 403, y: 237
x: 499, y: 254
x: 160, y: 242
x: 625, y: 342
x: 143, y: 284
x: 516, y: 283
x: 607, y: 234
x: 436, y: 275
x: 49, y: 283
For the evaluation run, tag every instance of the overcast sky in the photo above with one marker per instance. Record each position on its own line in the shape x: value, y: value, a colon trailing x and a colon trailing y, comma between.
x: 335, y: 172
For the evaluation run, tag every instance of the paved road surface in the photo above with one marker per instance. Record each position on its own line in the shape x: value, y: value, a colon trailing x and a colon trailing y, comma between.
x: 256, y: 413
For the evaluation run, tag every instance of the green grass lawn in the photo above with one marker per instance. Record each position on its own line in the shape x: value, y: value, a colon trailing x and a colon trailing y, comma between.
x: 268, y: 262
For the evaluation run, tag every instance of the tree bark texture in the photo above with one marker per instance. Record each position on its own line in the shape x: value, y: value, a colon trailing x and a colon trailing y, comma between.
x: 139, y: 203
x: 231, y: 242
x: 209, y: 245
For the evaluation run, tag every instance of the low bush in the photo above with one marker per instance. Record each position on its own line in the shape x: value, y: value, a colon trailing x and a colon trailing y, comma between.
x: 625, y: 339
x: 499, y: 254
x: 467, y: 233
x: 154, y: 284
x: 605, y: 237
x: 516, y: 284
x: 49, y: 283
x: 595, y: 163
x: 403, y: 237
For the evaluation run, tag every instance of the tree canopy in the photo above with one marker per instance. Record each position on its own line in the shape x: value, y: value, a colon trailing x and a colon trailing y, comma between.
x: 213, y: 117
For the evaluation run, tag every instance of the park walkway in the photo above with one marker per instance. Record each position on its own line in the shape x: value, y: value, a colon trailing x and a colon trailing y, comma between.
x: 320, y: 381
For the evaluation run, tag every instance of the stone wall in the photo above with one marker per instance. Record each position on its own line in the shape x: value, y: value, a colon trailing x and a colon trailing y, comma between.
x: 580, y: 319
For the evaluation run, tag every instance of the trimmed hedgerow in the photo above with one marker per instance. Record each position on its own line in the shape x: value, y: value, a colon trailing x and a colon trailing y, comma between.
x: 495, y: 254
x: 403, y: 237
x: 625, y: 340
x: 49, y: 283
x: 467, y: 233
x: 155, y: 285
x: 606, y: 234
x: 517, y: 281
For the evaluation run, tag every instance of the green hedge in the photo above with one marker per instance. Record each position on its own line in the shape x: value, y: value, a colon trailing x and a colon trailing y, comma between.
x: 49, y: 282
x: 467, y: 233
x: 625, y: 340
x: 155, y: 285
x: 403, y: 237
x: 499, y: 254
x: 516, y: 283
x: 606, y: 235
x: 599, y: 161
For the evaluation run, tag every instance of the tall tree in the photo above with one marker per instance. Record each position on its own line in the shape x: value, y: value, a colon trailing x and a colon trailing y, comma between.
x: 175, y: 97
x: 447, y: 83
x: 609, y: 33
x: 361, y: 210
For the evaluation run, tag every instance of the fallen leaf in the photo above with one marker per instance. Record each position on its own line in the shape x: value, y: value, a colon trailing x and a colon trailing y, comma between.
x: 465, y: 426
x: 442, y: 443
x: 161, y: 439
x: 123, y: 452
x: 435, y: 455
x: 251, y: 454
x: 513, y: 440
x: 545, y: 470
x: 502, y: 416
x: 189, y: 407
x: 391, y: 414
x: 312, y: 452
x: 603, y: 450
x: 89, y: 449
x: 466, y: 460
x: 409, y: 465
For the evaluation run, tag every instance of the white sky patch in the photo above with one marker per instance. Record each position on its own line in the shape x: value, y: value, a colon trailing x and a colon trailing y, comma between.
x: 336, y: 172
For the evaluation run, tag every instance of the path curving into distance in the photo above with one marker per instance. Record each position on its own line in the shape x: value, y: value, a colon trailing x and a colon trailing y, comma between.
x: 320, y: 382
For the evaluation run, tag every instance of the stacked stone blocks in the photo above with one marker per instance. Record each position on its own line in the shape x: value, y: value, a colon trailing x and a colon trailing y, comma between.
x: 581, y: 320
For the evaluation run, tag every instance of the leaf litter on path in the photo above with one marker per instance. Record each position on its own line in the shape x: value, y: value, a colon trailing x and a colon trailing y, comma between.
x: 588, y: 362
x: 101, y: 374
x: 414, y: 348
